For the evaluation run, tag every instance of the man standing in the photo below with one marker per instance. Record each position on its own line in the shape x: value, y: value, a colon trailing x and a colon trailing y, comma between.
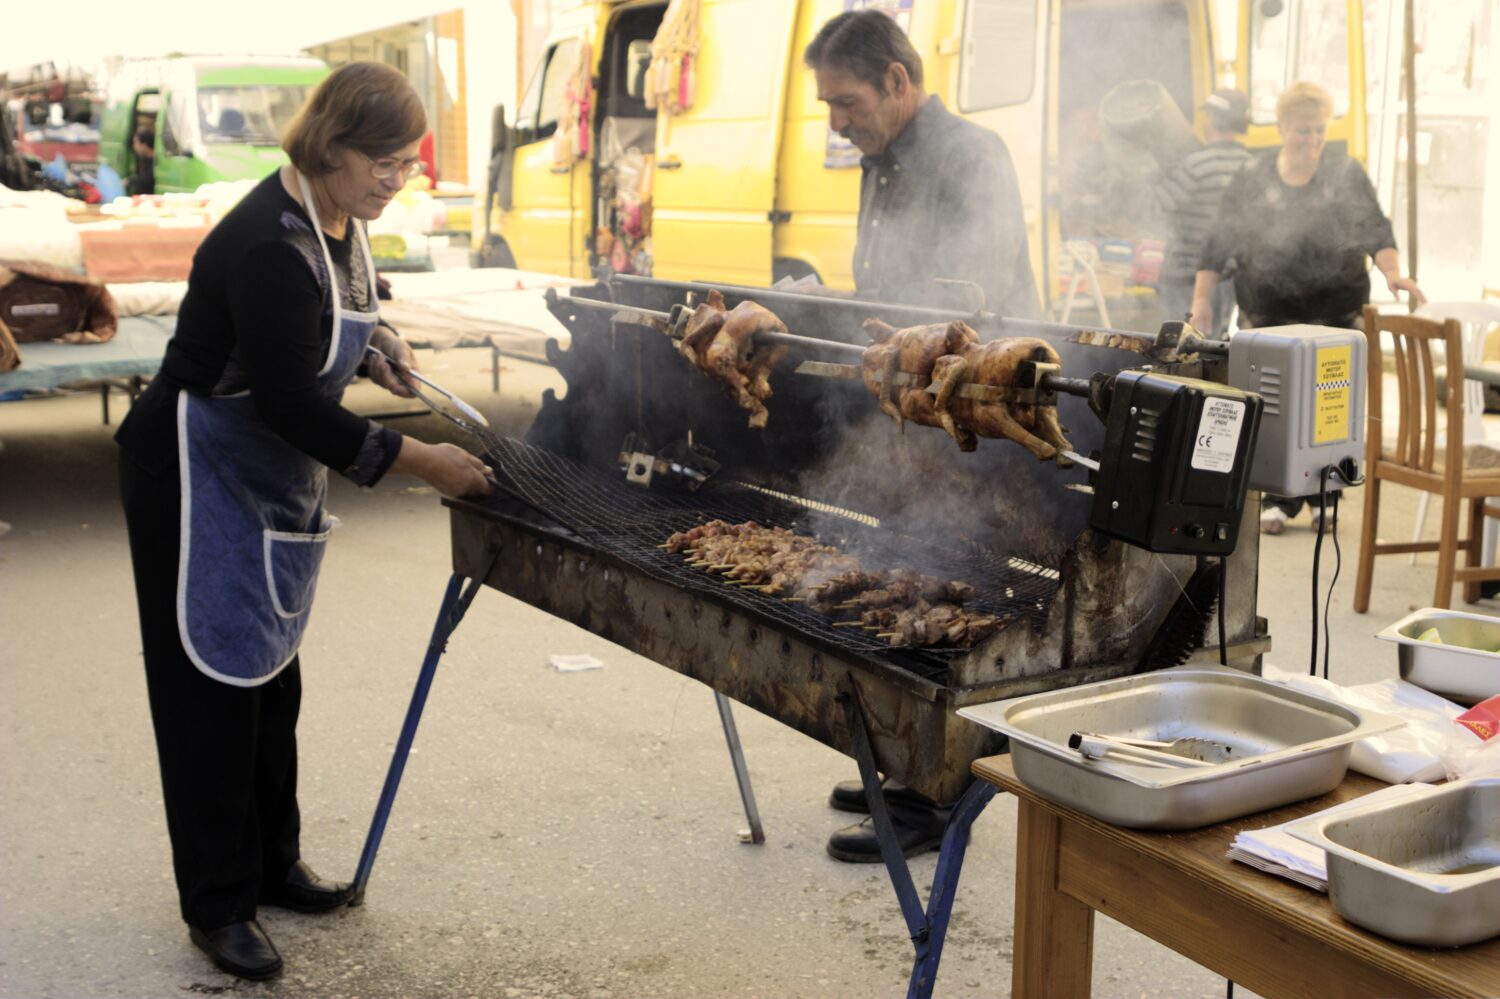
x: 939, y: 216
x: 1189, y: 193
x: 938, y: 200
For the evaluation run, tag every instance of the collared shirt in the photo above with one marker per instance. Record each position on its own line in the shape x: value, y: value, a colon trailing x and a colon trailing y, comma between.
x: 943, y: 201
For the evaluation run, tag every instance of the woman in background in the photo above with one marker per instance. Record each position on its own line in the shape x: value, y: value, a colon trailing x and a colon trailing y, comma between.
x: 1295, y: 228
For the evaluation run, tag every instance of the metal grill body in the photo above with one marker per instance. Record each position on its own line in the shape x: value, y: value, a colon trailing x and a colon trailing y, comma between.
x: 576, y: 540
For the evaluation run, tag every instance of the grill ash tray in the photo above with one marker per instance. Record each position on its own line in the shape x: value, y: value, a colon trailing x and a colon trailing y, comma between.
x: 1285, y: 745
x: 1423, y: 870
x: 1463, y: 665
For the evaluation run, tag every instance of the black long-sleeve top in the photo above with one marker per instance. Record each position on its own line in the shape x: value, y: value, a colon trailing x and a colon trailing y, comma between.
x: 1298, y: 253
x: 258, y: 316
x: 943, y: 202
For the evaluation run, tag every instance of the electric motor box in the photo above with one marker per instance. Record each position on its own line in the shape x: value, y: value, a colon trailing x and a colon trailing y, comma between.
x: 1173, y: 472
x: 1312, y: 382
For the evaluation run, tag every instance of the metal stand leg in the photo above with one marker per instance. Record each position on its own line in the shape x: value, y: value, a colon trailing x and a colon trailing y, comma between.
x: 455, y: 603
x: 928, y: 928
x: 755, y: 834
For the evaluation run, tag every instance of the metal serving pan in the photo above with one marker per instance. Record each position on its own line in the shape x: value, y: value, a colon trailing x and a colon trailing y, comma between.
x: 1423, y: 869
x: 1285, y: 745
x: 1462, y: 667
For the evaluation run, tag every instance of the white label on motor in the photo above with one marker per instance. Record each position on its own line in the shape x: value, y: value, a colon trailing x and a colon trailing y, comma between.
x: 39, y: 309
x: 1218, y: 435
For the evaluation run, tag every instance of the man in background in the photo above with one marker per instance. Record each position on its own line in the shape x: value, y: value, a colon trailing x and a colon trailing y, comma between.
x: 939, y: 203
x: 143, y: 180
x: 939, y: 217
x: 1189, y: 193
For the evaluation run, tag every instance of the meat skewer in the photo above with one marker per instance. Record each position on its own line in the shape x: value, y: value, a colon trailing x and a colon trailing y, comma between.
x: 906, y: 608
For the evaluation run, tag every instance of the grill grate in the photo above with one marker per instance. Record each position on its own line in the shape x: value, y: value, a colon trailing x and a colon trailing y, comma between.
x: 627, y: 522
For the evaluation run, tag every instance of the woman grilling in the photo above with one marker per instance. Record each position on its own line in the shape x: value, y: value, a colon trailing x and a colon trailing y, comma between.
x: 223, y: 481
x: 1297, y: 226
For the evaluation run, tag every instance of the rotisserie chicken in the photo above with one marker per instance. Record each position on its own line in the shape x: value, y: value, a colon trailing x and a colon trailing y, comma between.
x: 721, y: 344
x: 949, y: 356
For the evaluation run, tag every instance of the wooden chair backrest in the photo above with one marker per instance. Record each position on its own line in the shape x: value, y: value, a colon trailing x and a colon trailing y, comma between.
x: 1417, y: 399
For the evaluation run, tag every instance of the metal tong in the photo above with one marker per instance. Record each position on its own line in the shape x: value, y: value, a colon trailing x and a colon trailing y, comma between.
x: 1142, y: 752
x: 472, y: 420
x: 409, y: 376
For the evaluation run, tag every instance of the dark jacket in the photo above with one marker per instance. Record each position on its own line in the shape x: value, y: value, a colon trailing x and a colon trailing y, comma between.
x: 1297, y: 254
x: 943, y: 202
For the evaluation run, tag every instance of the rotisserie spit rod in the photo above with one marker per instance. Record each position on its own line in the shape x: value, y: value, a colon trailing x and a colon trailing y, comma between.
x: 1046, y: 382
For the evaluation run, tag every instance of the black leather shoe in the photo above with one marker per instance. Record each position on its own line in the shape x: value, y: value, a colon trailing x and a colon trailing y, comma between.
x: 849, y: 796
x: 304, y: 891
x: 918, y: 830
x: 242, y: 949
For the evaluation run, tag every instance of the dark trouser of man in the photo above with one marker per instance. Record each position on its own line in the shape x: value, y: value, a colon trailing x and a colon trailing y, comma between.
x: 1292, y: 505
x: 228, y: 755
x: 919, y: 822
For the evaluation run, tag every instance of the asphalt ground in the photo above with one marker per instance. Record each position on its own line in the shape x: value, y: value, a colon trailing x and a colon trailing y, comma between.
x: 556, y: 834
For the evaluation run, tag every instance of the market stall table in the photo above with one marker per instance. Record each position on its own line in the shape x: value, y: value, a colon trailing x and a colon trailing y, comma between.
x: 1180, y: 889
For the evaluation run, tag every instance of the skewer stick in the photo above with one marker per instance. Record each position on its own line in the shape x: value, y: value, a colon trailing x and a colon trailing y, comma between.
x: 664, y: 547
x: 887, y: 635
x: 848, y: 624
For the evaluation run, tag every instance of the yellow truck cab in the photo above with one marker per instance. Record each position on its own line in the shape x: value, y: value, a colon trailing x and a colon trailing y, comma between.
x: 747, y: 184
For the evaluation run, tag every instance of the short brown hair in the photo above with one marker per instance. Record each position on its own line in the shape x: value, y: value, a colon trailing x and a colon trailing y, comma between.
x: 864, y: 44
x: 1303, y: 100
x: 365, y: 106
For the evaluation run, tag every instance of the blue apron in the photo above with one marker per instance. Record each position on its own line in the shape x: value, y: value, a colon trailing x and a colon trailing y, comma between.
x: 253, y: 522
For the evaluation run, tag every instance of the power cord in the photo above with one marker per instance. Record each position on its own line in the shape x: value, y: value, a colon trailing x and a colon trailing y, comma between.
x: 1347, y: 472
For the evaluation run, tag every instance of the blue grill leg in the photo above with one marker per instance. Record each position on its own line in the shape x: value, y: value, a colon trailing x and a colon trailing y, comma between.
x: 928, y: 928
x: 455, y: 603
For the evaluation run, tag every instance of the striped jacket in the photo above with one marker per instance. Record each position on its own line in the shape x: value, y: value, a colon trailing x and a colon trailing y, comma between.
x: 1189, y: 194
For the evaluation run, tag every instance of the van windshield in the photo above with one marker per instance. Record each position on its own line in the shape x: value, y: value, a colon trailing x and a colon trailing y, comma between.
x: 254, y: 114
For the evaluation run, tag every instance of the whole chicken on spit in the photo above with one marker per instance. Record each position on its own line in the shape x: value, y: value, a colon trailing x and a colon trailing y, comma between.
x: 913, y: 352
x: 950, y: 355
x: 997, y: 364
x: 721, y: 344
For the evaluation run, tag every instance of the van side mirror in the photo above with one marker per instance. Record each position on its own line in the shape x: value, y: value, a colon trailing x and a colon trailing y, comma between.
x: 500, y: 138
x: 1271, y: 8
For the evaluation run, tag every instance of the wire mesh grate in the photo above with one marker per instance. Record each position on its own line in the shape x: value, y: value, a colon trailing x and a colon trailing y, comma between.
x: 628, y: 522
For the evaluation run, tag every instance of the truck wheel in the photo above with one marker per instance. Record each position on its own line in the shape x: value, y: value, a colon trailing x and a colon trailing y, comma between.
x: 784, y: 267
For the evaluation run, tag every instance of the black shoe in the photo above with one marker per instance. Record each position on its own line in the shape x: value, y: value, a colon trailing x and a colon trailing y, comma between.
x: 242, y: 949
x: 849, y: 796
x: 917, y: 831
x: 304, y: 891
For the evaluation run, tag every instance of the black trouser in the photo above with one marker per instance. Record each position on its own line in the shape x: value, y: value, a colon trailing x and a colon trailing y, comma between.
x: 228, y: 755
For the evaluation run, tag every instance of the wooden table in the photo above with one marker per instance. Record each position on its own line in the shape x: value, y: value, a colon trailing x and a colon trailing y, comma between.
x: 1262, y: 931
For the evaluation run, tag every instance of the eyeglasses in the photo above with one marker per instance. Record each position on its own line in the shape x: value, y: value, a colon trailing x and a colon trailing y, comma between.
x: 385, y: 169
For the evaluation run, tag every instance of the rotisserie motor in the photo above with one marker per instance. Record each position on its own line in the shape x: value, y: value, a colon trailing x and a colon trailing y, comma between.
x: 905, y: 608
x: 721, y: 344
x: 950, y: 356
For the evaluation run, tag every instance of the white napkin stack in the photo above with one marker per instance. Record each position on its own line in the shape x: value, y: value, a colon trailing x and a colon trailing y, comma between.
x: 1274, y: 851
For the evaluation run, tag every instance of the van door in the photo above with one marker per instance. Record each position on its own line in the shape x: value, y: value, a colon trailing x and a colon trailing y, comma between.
x: 544, y: 223
x: 1281, y: 43
x: 715, y: 184
x: 175, y: 159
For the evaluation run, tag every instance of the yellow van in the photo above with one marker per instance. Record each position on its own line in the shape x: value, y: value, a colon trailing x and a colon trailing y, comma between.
x: 747, y: 185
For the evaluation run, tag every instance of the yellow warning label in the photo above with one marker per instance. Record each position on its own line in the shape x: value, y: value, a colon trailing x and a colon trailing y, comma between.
x: 1331, y: 395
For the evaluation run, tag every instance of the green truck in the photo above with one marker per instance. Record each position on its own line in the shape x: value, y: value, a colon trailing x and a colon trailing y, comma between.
x: 215, y: 118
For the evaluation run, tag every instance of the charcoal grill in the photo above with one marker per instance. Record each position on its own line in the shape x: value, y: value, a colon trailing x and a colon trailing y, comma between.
x: 569, y: 534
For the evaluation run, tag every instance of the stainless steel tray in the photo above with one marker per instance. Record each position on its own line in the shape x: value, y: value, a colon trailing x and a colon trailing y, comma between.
x: 1423, y: 869
x: 1461, y: 668
x: 1288, y: 745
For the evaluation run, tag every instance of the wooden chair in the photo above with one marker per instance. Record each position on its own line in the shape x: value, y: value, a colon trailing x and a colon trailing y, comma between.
x: 1413, y: 458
